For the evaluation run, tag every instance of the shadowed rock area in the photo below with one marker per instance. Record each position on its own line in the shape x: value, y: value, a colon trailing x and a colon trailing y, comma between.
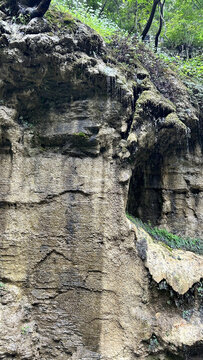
x: 29, y: 8
x: 75, y: 131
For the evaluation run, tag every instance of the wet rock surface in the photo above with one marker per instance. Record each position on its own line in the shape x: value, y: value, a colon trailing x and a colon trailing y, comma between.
x: 73, y: 127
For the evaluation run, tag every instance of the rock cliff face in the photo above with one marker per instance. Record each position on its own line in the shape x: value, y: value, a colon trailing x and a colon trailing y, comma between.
x: 75, y: 131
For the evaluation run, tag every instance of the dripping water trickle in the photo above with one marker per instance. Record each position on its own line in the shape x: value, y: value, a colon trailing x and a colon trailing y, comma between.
x: 108, y: 84
x: 188, y: 134
x: 111, y: 83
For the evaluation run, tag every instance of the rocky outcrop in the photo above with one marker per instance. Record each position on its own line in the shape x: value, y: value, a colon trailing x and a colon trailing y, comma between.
x: 180, y: 269
x: 73, y: 126
x: 177, y: 275
x: 169, y: 182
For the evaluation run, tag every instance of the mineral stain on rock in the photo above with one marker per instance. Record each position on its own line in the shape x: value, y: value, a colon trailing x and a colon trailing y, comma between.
x: 74, y: 132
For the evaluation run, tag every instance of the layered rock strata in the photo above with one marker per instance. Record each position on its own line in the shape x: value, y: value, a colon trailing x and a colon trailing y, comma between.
x: 73, y: 127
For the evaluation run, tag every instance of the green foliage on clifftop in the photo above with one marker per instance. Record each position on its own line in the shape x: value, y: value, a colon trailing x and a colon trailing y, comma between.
x: 64, y: 13
x: 103, y: 25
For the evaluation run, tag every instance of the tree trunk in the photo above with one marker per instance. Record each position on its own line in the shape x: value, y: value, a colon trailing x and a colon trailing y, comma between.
x: 151, y: 17
x: 40, y: 10
x: 160, y: 24
x: 102, y: 9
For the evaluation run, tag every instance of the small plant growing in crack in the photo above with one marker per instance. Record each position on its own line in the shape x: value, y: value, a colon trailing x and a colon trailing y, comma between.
x: 153, y: 343
x: 25, y: 330
x: 186, y: 314
x: 81, y: 134
x: 2, y: 285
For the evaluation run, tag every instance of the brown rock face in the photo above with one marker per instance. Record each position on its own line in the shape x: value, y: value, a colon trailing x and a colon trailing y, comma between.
x: 171, y: 186
x: 72, y: 283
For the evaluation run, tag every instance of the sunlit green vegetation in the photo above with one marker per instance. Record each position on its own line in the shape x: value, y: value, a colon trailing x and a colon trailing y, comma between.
x: 105, y: 26
x: 182, y: 20
x: 181, y: 36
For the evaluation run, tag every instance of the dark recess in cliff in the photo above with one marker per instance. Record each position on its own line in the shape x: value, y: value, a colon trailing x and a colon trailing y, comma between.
x: 145, y: 193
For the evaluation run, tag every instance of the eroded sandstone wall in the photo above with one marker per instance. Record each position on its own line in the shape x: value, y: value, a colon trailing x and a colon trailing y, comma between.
x: 73, y: 285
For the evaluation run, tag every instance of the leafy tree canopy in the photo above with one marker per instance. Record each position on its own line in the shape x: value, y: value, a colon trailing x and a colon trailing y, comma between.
x: 182, y: 19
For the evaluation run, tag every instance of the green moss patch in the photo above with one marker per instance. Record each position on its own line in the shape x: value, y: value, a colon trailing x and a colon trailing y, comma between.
x: 59, y: 19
